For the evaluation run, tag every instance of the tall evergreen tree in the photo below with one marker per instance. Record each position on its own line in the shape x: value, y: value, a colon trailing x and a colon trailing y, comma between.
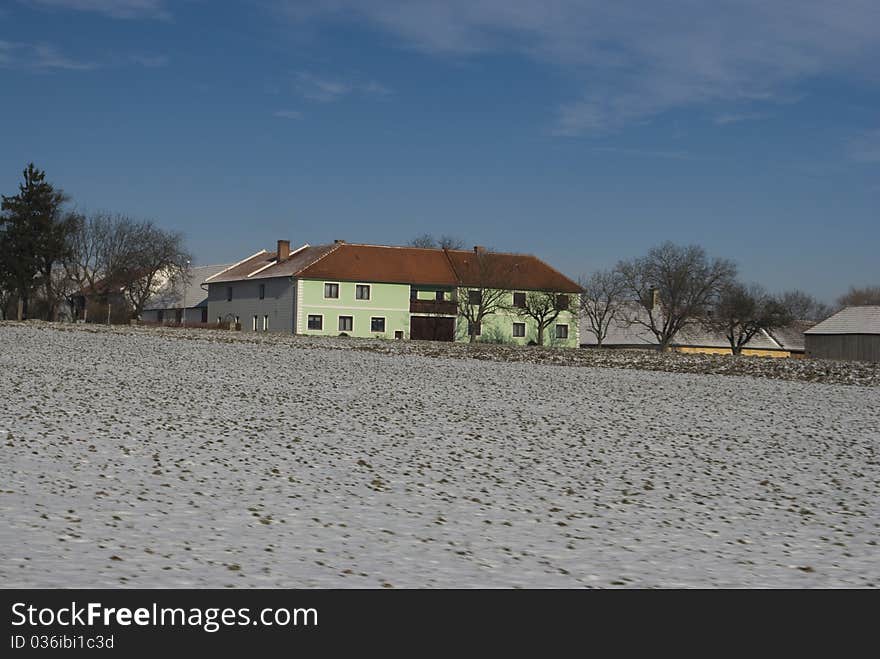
x: 34, y: 235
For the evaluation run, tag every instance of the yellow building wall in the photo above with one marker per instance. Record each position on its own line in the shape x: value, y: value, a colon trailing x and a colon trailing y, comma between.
x: 749, y: 352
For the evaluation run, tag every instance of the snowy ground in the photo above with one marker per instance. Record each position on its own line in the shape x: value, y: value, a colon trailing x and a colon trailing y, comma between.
x: 136, y: 458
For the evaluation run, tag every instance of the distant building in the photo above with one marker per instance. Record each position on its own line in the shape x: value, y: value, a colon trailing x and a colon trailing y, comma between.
x: 852, y: 333
x: 187, y: 302
x: 384, y: 292
x: 787, y: 342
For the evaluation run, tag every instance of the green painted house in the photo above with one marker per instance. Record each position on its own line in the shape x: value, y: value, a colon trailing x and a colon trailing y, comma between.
x: 394, y: 292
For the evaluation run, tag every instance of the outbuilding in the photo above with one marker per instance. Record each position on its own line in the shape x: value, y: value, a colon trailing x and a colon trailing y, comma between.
x: 852, y: 333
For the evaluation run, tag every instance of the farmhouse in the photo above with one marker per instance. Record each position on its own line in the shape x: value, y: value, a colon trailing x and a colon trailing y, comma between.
x: 384, y: 291
x: 184, y: 302
x: 851, y: 333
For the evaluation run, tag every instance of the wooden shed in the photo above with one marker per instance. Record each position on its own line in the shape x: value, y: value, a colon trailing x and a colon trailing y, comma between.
x: 852, y: 333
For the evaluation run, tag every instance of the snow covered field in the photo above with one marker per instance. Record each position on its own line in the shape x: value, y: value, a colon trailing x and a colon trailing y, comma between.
x: 141, y: 458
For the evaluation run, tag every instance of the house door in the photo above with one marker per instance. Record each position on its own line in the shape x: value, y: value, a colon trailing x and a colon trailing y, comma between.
x: 431, y: 328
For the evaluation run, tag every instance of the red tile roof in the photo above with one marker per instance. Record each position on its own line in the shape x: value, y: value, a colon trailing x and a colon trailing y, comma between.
x: 404, y: 265
x: 508, y: 271
x: 394, y: 265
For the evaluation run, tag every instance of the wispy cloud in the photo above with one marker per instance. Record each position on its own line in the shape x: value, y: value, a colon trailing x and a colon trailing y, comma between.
x: 112, y: 8
x: 636, y: 59
x: 866, y: 147
x: 735, y: 118
x: 39, y: 57
x: 323, y: 89
x: 288, y: 114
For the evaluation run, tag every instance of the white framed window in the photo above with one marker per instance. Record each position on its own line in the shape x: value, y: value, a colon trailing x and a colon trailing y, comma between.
x: 316, y: 322
x: 255, y: 324
x: 266, y: 323
x: 331, y: 291
x: 519, y: 329
x: 377, y: 324
x: 519, y: 300
x: 362, y: 292
x: 561, y: 331
x: 346, y: 323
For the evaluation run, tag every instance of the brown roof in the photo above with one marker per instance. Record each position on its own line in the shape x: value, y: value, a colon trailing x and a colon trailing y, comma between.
x: 390, y: 265
x: 264, y: 264
x: 403, y: 265
x: 520, y: 271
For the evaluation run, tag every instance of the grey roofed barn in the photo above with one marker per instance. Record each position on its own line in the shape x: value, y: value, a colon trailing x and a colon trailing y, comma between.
x: 851, y: 320
x: 852, y: 333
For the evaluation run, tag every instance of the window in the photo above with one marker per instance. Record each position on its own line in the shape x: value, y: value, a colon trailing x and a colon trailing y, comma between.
x: 219, y: 320
x: 398, y: 334
x: 440, y: 296
x: 205, y: 315
x: 229, y: 293
x: 475, y: 297
x: 178, y: 315
x: 346, y: 323
x: 562, y: 302
x: 362, y: 292
x: 265, y: 323
x: 316, y: 322
x: 255, y: 324
x: 479, y: 327
x: 377, y: 325
x: 519, y: 329
x: 519, y: 300
x: 262, y: 291
x: 160, y: 315
x: 562, y: 331
x: 237, y: 321
x: 331, y: 291
x: 413, y: 293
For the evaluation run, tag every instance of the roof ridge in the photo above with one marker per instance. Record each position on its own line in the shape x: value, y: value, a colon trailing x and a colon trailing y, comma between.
x: 333, y: 248
x: 238, y: 263
x: 455, y: 274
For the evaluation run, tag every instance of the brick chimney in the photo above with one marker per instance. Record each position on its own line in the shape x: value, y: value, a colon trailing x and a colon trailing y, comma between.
x: 479, y: 249
x: 283, y: 250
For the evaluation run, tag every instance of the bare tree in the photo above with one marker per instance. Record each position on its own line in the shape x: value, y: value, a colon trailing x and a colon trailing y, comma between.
x: 602, y: 299
x: 427, y: 240
x: 450, y: 242
x: 543, y: 307
x: 740, y: 312
x: 803, y: 306
x: 860, y: 297
x: 487, y: 276
x: 676, y: 286
x: 116, y: 253
x: 160, y: 257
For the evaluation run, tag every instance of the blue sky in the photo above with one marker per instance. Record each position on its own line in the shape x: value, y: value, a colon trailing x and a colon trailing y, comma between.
x: 583, y: 132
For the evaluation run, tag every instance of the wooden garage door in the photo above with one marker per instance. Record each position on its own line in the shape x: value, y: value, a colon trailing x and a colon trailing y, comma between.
x: 431, y: 328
